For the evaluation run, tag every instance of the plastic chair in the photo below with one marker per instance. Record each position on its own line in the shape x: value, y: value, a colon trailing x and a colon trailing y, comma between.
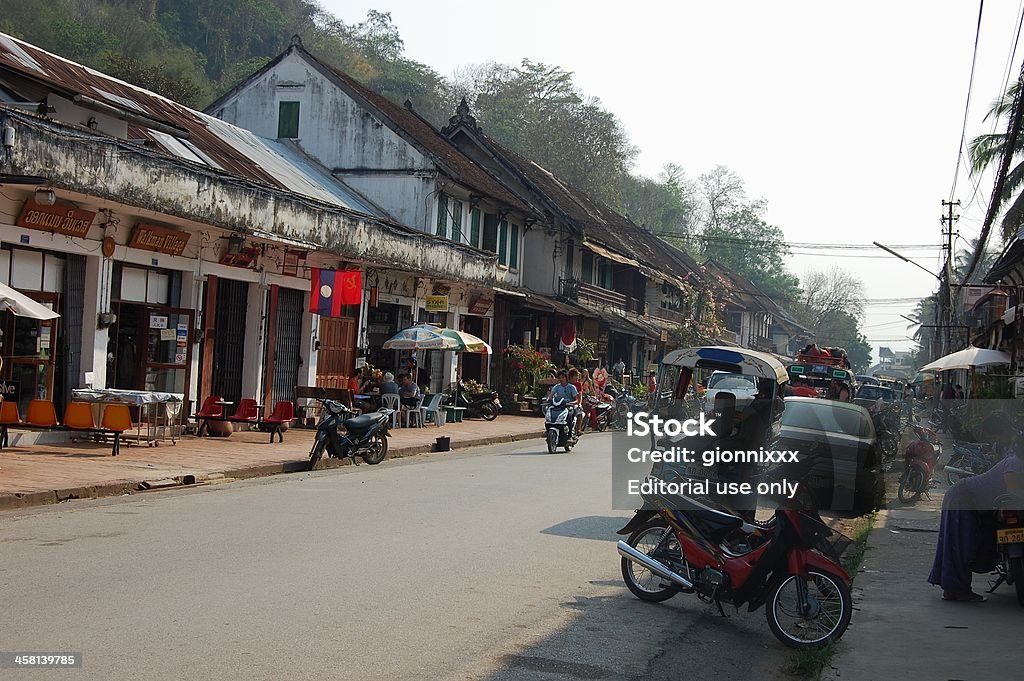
x: 390, y: 401
x: 78, y: 416
x: 9, y: 416
x: 434, y: 407
x: 284, y: 413
x: 41, y: 414
x: 247, y: 411
x: 410, y: 414
x: 117, y: 418
x: 209, y: 410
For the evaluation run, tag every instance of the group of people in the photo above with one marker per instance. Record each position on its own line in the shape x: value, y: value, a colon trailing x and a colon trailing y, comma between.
x: 812, y: 350
x: 403, y: 385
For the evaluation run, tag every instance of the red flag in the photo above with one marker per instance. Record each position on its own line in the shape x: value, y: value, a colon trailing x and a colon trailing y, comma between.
x: 351, y: 287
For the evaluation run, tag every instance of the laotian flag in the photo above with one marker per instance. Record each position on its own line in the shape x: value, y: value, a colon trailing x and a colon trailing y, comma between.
x: 330, y: 289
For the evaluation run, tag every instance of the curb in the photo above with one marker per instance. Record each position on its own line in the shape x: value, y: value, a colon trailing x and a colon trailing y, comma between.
x: 118, y: 488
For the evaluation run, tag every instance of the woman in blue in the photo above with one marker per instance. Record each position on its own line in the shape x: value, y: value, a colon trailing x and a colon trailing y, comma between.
x: 966, y: 533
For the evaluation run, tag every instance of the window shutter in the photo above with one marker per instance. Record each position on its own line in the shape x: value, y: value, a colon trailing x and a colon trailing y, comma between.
x: 288, y: 120
x: 457, y: 221
x: 513, y: 248
x: 587, y: 268
x: 442, y: 215
x: 503, y: 243
x: 474, y: 227
x: 490, y: 242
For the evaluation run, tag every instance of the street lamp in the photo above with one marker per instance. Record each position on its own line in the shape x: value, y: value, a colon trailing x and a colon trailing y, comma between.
x: 905, y: 259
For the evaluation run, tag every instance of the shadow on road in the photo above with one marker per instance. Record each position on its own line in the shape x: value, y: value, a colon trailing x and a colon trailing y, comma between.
x: 589, y: 527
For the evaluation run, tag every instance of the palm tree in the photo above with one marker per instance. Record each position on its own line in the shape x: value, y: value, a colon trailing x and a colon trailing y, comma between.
x: 924, y: 319
x: 963, y: 260
x: 986, y: 150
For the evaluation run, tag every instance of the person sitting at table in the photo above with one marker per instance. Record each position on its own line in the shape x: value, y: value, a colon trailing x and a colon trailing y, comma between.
x: 366, y: 383
x: 388, y: 386
x: 409, y: 393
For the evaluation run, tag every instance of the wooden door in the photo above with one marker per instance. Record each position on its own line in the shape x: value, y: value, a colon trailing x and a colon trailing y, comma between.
x: 336, y: 358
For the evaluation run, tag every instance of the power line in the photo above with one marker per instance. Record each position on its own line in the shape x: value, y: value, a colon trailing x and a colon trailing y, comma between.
x: 967, y: 107
x: 791, y: 244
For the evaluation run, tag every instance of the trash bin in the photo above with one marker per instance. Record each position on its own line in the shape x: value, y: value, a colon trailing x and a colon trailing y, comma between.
x: 443, y: 444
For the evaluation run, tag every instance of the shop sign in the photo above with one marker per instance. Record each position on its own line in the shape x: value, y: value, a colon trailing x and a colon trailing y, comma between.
x: 481, y: 306
x: 181, y: 339
x: 436, y: 304
x: 57, y: 218
x: 160, y: 239
x: 157, y: 321
x: 10, y: 390
x: 167, y: 334
x: 664, y: 336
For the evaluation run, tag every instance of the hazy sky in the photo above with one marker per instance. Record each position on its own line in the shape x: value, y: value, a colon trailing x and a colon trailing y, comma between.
x: 846, y: 117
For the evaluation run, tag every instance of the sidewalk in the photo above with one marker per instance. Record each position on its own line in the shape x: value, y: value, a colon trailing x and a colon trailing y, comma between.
x: 902, y: 629
x: 48, y: 473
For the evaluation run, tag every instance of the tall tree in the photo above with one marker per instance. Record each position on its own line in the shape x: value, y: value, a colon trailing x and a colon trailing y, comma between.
x: 735, y: 234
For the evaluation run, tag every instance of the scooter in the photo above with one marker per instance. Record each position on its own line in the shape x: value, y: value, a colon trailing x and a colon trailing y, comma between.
x: 969, y: 459
x: 1010, y: 544
x: 559, y: 424
x: 919, y: 462
x: 597, y: 414
x: 365, y: 436
x: 483, y: 405
x: 790, y: 564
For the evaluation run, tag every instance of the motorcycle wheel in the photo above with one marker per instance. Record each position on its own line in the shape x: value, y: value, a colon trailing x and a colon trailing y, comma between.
x: 316, y: 453
x: 1017, y: 571
x: 552, y: 439
x: 488, y: 411
x: 602, y: 423
x: 956, y: 462
x: 832, y: 609
x: 640, y: 581
x: 912, y: 483
x: 378, y: 449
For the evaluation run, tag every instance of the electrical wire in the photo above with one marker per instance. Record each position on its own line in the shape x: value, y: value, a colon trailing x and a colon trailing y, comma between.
x: 967, y: 106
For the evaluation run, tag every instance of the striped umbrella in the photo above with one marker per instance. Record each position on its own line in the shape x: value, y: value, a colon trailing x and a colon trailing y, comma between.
x: 467, y: 342
x: 421, y: 337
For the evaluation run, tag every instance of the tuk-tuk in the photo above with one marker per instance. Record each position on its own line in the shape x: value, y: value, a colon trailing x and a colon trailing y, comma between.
x: 819, y: 372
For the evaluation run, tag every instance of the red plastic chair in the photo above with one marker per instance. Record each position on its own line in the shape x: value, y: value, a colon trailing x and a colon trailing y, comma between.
x: 247, y: 412
x: 209, y: 410
x: 284, y: 414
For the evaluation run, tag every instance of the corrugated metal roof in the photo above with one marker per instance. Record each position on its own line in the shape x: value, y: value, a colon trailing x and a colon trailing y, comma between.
x: 202, y: 139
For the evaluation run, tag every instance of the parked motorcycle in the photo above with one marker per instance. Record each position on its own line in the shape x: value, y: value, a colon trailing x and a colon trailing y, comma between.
x: 790, y: 564
x: 559, y: 424
x: 1010, y: 544
x: 919, y: 463
x: 969, y: 459
x: 623, y: 405
x: 365, y: 436
x: 478, y: 405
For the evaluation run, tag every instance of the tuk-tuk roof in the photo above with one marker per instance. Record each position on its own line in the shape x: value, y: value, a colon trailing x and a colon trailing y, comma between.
x: 749, y: 362
x: 809, y: 371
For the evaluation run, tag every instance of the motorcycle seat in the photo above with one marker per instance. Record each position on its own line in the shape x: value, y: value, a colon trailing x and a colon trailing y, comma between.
x: 364, y: 422
x: 718, y: 523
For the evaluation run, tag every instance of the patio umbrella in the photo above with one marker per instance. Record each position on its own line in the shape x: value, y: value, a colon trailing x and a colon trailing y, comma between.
x: 421, y: 337
x: 467, y: 342
x: 968, y: 359
x: 22, y: 305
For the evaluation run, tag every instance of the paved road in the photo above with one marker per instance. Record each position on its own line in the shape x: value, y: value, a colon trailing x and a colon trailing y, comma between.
x: 494, y: 564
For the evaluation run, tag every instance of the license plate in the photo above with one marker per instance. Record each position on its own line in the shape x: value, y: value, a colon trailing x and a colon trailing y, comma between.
x: 1012, y: 536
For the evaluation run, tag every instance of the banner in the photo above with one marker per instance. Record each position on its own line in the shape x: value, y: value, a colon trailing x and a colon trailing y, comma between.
x: 330, y: 289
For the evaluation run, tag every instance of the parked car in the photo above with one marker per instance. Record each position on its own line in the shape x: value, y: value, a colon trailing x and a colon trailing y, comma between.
x: 867, y: 395
x: 869, y: 380
x: 839, y: 457
x: 743, y: 386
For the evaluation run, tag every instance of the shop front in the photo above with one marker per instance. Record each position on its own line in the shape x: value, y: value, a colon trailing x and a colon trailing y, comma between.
x: 150, y: 339
x: 33, y: 365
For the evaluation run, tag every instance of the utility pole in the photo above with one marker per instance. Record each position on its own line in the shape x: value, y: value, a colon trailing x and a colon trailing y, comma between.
x: 946, y: 286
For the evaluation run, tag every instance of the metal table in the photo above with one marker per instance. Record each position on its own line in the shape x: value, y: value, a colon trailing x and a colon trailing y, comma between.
x: 160, y: 412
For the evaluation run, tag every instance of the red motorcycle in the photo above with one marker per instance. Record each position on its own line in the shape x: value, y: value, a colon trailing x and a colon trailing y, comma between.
x: 919, y: 463
x: 790, y: 564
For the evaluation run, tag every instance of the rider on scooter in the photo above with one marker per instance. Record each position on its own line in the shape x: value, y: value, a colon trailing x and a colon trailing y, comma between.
x: 569, y: 392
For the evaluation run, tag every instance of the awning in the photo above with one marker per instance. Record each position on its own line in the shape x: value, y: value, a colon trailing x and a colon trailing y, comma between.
x: 621, y: 324
x: 605, y: 253
x: 517, y: 294
x: 549, y: 304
